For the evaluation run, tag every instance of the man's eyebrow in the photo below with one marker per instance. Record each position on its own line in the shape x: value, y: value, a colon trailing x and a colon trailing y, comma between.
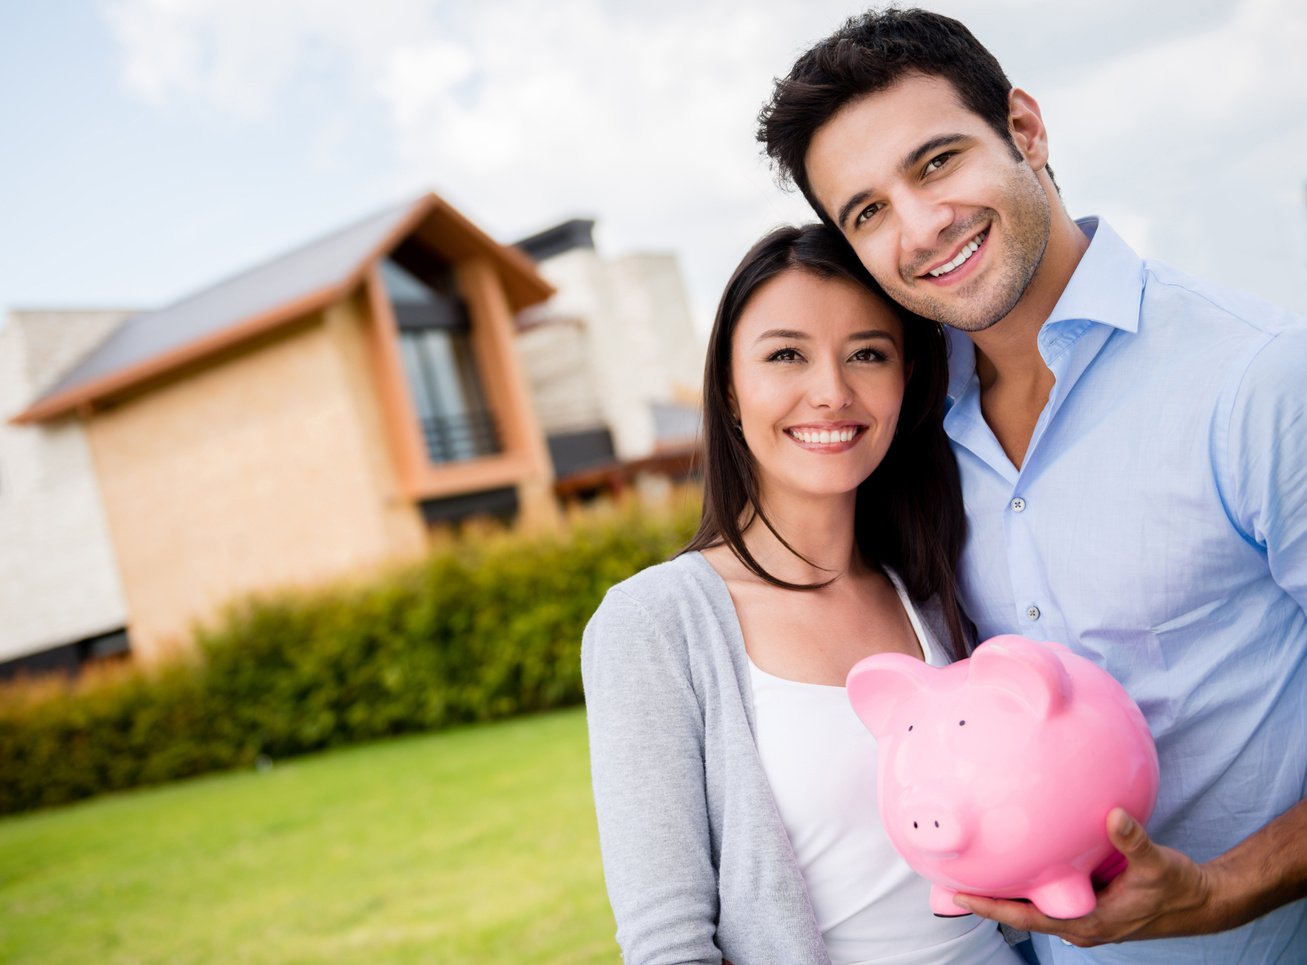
x: 849, y: 205
x: 910, y: 160
x: 913, y: 157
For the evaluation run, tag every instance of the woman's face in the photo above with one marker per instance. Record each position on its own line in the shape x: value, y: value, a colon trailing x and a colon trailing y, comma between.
x: 817, y: 379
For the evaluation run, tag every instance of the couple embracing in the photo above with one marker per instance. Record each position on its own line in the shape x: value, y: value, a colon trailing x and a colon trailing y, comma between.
x: 944, y: 412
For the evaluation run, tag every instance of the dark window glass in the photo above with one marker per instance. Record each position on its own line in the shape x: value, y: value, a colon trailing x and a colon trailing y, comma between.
x: 438, y: 360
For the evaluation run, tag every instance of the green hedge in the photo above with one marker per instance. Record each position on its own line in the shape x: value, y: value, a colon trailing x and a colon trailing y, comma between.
x: 484, y: 628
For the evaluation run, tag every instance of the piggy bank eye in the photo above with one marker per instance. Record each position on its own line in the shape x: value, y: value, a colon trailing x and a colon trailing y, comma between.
x: 962, y: 723
x: 909, y: 727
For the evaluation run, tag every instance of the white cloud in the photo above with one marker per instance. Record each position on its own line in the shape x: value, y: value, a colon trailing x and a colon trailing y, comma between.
x: 240, y: 55
x: 525, y: 112
x: 1198, y: 141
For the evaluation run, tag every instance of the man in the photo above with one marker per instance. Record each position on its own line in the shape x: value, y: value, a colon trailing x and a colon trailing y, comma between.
x: 1133, y: 448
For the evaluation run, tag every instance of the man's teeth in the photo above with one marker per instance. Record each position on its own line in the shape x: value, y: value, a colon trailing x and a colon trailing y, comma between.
x: 966, y: 252
x: 822, y: 437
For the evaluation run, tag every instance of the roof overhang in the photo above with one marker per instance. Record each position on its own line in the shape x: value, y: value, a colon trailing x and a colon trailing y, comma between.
x: 430, y: 218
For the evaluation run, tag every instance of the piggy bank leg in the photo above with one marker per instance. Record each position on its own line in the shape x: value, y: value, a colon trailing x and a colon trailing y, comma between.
x: 1069, y: 897
x: 941, y: 902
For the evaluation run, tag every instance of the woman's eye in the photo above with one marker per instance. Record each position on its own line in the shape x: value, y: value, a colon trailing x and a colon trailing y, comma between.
x: 784, y: 355
x: 868, y: 355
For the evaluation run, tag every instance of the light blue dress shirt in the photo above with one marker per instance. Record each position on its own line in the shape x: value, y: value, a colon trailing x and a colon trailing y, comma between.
x: 1158, y: 526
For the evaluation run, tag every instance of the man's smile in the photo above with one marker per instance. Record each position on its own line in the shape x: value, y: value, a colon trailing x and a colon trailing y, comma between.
x: 969, y: 249
x: 945, y: 270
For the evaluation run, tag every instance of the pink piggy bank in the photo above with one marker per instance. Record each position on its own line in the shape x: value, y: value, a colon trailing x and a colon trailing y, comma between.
x: 997, y: 772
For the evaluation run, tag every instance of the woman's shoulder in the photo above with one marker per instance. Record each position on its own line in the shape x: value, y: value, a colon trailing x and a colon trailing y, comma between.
x: 646, y: 624
x: 666, y: 603
x: 656, y: 586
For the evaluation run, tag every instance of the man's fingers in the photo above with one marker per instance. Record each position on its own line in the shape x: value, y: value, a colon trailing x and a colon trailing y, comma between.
x: 1127, y: 835
x: 1019, y: 914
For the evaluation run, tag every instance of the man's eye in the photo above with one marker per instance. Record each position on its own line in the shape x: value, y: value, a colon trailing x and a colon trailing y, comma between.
x: 938, y: 161
x: 784, y: 355
x: 867, y: 213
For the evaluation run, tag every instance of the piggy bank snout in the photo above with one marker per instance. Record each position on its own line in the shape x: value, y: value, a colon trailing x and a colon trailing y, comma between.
x: 933, y: 829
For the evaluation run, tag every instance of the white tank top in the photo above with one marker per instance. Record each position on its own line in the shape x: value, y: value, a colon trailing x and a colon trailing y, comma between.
x: 821, y: 763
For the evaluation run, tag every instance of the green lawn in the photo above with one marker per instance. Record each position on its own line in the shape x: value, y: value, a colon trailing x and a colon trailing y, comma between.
x: 476, y: 845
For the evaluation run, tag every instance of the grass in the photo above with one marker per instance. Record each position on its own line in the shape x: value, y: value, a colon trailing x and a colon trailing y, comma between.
x: 475, y: 845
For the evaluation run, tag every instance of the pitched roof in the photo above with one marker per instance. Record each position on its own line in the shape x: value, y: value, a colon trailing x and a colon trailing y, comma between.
x: 273, y: 294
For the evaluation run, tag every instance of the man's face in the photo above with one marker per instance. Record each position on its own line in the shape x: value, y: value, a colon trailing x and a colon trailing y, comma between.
x: 933, y: 201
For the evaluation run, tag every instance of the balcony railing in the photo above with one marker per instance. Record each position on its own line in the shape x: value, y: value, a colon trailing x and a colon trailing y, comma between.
x: 466, y: 435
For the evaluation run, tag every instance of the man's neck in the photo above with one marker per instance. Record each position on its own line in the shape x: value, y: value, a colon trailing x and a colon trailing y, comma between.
x: 1014, y: 381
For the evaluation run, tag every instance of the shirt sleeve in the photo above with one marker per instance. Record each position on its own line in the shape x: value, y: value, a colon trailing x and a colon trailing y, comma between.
x: 647, y: 764
x: 1266, y: 458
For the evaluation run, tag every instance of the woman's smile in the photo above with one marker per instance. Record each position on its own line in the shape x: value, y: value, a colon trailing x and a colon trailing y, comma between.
x: 833, y: 438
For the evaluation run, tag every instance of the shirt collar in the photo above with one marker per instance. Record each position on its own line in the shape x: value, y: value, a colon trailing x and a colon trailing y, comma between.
x: 1106, y: 287
x: 1107, y: 283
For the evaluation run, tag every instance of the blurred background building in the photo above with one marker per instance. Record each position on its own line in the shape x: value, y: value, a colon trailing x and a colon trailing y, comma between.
x: 315, y: 416
x: 60, y: 595
x: 615, y: 363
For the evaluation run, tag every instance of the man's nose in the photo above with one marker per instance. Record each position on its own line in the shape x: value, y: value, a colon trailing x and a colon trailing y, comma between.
x: 921, y: 222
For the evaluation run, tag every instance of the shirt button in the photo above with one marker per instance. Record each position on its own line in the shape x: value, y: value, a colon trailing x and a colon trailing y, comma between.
x: 1032, y: 613
x: 1018, y: 504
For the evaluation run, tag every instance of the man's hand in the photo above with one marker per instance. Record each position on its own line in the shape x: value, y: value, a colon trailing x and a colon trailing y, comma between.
x: 1161, y: 894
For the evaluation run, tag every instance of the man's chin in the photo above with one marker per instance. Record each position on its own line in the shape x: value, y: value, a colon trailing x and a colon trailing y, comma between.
x: 963, y: 317
x: 966, y: 311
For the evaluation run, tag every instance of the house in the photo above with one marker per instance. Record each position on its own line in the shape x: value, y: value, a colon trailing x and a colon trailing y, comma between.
x: 299, y: 422
x: 61, y: 602
x: 614, y: 361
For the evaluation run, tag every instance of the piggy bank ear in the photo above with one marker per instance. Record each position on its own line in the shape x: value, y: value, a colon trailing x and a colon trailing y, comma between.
x: 879, y: 684
x: 1029, y: 670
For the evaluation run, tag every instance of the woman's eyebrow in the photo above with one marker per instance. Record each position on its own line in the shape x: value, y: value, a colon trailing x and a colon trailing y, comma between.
x: 781, y: 333
x: 790, y: 335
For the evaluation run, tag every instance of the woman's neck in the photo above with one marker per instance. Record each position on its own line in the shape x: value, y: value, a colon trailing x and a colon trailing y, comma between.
x: 819, y: 530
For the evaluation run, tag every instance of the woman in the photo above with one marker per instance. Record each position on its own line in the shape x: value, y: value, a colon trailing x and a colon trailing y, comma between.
x: 734, y: 786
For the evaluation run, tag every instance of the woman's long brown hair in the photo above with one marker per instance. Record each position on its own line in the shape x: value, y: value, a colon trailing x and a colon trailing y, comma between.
x: 909, y: 514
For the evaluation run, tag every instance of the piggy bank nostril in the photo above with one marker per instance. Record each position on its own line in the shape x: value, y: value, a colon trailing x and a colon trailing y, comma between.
x: 936, y: 824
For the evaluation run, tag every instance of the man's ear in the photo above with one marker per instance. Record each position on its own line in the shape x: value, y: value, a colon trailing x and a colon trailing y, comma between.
x: 1027, y: 127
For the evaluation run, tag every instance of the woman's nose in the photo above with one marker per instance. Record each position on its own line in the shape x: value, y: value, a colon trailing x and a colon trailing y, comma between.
x: 830, y: 388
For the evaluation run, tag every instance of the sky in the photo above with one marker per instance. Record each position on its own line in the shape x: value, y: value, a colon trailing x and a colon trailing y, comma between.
x: 149, y: 148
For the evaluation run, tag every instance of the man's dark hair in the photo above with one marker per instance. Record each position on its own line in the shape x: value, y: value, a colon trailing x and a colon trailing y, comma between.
x: 872, y: 53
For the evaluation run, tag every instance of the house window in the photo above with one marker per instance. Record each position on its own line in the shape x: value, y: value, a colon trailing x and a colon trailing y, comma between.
x: 436, y: 346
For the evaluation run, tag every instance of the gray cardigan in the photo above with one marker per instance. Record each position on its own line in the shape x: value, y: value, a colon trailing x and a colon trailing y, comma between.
x: 696, y: 858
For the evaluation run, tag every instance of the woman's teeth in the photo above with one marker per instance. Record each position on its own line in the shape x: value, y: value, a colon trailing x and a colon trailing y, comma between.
x: 967, y: 251
x: 823, y: 437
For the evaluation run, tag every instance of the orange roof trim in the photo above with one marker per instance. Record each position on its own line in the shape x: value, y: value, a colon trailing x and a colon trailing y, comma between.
x: 274, y: 294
